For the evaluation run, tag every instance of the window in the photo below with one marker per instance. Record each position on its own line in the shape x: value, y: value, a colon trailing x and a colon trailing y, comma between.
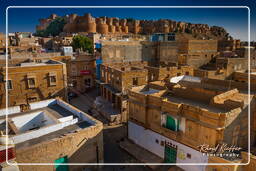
x: 157, y: 141
x: 188, y: 155
x: 1, y: 78
x: 31, y: 82
x: 52, y: 79
x: 87, y: 82
x: 170, y: 122
x: 9, y: 85
x: 153, y: 77
x: 135, y: 81
x: 117, y: 80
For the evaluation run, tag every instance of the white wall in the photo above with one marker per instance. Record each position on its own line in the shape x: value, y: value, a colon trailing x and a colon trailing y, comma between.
x: 10, y: 110
x: 65, y: 119
x: 36, y: 119
x: 147, y: 139
x: 40, y: 132
x: 41, y: 104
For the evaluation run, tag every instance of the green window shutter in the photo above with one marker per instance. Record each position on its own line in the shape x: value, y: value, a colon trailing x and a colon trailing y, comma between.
x: 170, y: 123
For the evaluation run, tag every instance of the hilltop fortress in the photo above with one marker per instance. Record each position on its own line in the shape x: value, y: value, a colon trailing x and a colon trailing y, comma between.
x: 113, y: 25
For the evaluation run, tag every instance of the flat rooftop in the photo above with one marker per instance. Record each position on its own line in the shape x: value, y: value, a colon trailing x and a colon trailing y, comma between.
x: 200, y: 104
x: 147, y: 90
x: 129, y: 68
x: 46, y: 120
x: 38, y: 63
x: 177, y: 95
x: 29, y: 63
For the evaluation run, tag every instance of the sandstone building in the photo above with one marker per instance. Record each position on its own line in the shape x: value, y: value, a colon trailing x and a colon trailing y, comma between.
x: 222, y: 67
x: 167, y: 121
x: 128, y: 51
x: 2, y: 44
x: 31, y: 81
x: 114, y: 83
x: 182, y: 51
x: 196, y: 52
x: 81, y: 72
x: 118, y: 78
x: 167, y: 70
x: 228, y: 45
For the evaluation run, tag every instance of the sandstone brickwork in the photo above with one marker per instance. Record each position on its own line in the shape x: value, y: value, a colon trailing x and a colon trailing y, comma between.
x: 31, y: 82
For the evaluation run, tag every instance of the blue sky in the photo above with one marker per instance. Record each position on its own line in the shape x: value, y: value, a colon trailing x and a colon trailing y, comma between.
x: 233, y: 20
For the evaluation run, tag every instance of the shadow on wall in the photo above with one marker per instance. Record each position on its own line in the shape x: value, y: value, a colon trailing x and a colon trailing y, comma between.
x: 76, y: 148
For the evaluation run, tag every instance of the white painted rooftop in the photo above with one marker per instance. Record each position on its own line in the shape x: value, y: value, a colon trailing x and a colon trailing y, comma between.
x: 45, y: 117
x: 185, y: 78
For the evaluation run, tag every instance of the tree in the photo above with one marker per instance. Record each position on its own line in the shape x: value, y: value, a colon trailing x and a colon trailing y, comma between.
x: 56, y: 26
x: 82, y: 42
x: 53, y: 29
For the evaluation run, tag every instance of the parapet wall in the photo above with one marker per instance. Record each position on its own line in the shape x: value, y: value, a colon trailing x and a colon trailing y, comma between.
x: 225, y: 84
x: 16, y: 55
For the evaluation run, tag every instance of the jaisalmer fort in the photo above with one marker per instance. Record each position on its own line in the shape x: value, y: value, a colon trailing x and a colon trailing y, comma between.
x: 80, y: 92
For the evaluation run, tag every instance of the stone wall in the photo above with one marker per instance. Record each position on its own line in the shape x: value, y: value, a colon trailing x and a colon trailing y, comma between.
x: 214, y: 74
x: 22, y: 55
x: 84, y: 146
x: 196, y: 52
x: 127, y: 51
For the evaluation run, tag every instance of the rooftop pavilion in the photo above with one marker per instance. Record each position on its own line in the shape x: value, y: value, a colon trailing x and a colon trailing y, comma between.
x: 45, y: 120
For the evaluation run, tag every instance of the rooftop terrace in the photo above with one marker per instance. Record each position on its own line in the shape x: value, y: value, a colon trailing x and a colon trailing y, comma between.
x: 206, y: 99
x: 46, y: 120
x: 195, y: 103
